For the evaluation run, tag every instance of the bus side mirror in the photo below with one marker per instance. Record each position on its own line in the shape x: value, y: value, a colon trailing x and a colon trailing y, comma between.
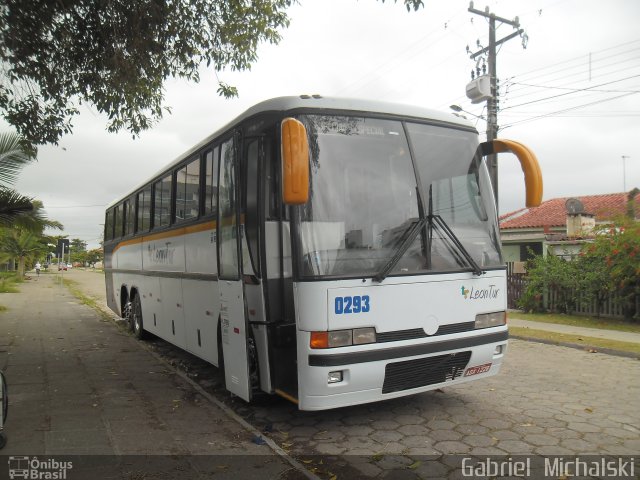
x: 528, y: 162
x: 295, y: 162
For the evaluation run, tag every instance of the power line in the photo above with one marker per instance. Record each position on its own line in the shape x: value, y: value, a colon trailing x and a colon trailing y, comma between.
x: 580, y: 73
x: 571, y: 92
x: 566, y: 110
x: 581, y: 57
x: 573, y: 89
x: 408, y: 52
x: 523, y: 89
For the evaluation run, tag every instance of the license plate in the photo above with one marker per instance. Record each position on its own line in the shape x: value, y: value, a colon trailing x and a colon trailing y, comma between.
x: 477, y: 369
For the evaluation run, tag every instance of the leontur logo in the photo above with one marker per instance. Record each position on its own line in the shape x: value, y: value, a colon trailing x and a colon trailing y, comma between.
x: 480, y: 294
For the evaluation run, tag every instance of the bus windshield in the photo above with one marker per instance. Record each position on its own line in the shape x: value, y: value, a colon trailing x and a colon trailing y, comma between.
x: 364, y: 200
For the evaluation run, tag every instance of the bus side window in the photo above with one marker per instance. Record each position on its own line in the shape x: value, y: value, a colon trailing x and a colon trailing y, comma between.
x: 271, y: 190
x: 212, y: 159
x: 118, y: 222
x: 228, y: 266
x: 144, y: 209
x: 252, y: 212
x: 108, y: 226
x: 162, y: 202
x: 188, y: 191
x: 129, y: 218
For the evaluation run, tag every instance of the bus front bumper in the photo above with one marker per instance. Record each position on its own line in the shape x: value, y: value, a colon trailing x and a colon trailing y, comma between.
x: 371, y: 373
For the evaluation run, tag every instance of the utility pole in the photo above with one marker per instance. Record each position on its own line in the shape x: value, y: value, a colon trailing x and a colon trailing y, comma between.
x: 492, y: 102
x: 624, y: 172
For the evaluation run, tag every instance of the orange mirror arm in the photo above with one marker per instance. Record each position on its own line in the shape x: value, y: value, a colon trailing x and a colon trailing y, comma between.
x: 528, y: 162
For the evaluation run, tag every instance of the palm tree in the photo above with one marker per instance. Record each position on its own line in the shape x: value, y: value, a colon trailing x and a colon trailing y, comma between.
x: 14, y: 154
x: 22, y: 245
x: 22, y: 220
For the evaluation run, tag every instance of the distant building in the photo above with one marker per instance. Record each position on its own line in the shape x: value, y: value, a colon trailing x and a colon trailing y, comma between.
x: 561, y: 226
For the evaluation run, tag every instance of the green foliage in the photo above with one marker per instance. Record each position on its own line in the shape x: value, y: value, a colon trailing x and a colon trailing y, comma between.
x: 94, y: 255
x: 8, y: 281
x: 608, y: 267
x: 14, y: 154
x: 545, y: 273
x: 616, y: 254
x: 24, y: 245
x: 117, y: 55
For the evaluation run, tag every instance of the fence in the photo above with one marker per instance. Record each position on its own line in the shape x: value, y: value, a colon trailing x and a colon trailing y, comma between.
x: 611, y: 307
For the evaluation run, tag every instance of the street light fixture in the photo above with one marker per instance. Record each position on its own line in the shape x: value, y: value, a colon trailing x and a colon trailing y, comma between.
x: 458, y: 109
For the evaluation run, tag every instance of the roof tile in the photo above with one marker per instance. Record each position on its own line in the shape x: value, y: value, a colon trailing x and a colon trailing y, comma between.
x: 553, y: 213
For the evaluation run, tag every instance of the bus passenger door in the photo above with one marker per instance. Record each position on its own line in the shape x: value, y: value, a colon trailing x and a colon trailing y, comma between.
x: 234, y: 324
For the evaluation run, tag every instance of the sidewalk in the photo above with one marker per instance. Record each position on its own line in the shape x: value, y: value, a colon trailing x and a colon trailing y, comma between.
x: 80, y: 386
x: 572, y: 330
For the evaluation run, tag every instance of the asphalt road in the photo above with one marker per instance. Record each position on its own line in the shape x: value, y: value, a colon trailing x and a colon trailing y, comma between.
x: 547, y: 400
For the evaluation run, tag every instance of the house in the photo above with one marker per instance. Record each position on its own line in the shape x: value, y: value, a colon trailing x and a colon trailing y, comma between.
x: 561, y: 226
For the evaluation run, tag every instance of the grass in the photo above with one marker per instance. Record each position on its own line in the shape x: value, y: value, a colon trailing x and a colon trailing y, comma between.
x: 589, y: 343
x: 8, y: 281
x: 79, y: 294
x: 3, y: 308
x: 579, y: 321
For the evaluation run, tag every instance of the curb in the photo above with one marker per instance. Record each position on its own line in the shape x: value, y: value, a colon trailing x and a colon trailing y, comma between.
x: 578, y: 346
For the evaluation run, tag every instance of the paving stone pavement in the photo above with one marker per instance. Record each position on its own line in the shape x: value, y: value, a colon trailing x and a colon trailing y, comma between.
x: 79, y: 385
x: 547, y: 400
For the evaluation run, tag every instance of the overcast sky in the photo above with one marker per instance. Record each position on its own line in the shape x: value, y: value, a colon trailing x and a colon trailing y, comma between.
x: 372, y: 50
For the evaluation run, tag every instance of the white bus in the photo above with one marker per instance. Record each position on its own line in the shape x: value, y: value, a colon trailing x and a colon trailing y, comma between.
x: 331, y: 251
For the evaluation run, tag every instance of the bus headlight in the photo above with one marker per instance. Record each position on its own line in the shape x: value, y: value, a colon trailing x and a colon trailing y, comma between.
x: 342, y: 338
x: 364, y: 335
x: 494, y: 319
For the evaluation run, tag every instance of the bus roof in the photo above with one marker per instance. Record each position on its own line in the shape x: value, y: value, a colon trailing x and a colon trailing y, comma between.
x: 316, y: 103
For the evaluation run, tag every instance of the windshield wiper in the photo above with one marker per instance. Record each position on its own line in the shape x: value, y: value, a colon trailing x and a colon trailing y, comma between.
x: 412, y: 232
x: 407, y: 239
x: 439, y: 222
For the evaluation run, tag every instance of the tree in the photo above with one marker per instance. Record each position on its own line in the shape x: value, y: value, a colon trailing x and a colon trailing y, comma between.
x: 117, y: 55
x: 22, y: 245
x: 94, y: 256
x: 617, y: 249
x: 608, y: 267
x: 550, y: 274
x: 78, y: 250
x: 14, y: 154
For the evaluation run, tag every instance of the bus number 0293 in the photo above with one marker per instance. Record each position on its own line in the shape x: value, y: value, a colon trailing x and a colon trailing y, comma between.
x: 355, y: 304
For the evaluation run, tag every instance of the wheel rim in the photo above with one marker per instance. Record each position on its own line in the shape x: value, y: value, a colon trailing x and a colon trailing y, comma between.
x: 136, y: 317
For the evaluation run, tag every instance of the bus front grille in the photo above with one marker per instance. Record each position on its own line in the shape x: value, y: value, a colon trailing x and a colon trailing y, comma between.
x: 409, y: 374
x: 415, y: 333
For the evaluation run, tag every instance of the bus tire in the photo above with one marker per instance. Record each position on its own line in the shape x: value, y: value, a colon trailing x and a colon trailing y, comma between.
x: 127, y: 311
x: 136, y: 319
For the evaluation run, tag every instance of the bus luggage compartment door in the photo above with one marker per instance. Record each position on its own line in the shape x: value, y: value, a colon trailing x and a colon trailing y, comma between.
x: 234, y: 331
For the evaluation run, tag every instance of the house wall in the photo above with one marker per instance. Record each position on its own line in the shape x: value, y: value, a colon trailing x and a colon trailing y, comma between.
x: 565, y: 250
x: 511, y: 253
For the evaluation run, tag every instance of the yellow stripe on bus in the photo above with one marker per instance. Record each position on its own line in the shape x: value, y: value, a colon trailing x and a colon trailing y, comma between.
x: 176, y: 232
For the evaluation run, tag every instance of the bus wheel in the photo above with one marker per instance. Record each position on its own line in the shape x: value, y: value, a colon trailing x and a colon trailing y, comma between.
x: 252, y: 352
x: 136, y: 319
x: 127, y: 315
